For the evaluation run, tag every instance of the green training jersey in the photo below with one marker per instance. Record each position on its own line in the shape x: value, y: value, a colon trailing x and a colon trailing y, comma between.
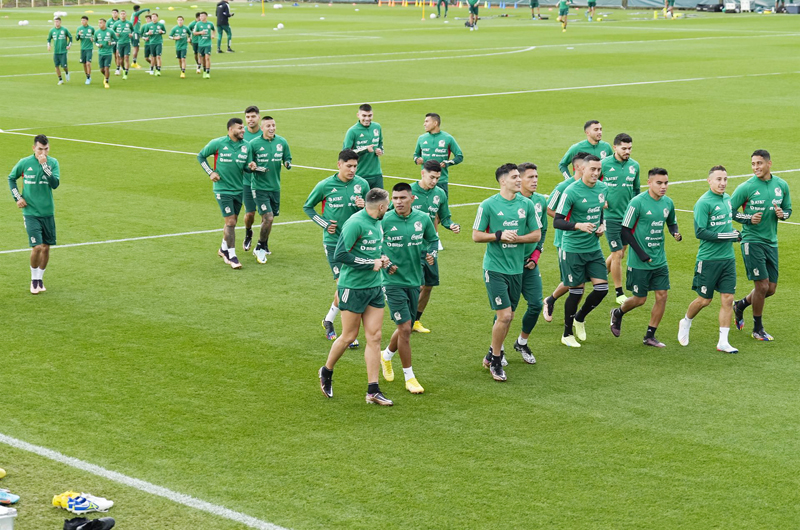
x: 358, y: 248
x: 338, y: 200
x: 405, y: 241
x: 713, y: 226
x: 600, y: 150
x: 250, y: 136
x: 497, y: 213
x: 756, y: 195
x: 123, y: 31
x: 192, y: 25
x: 358, y: 138
x: 105, y: 39
x: 271, y: 155
x: 646, y: 217
x: 555, y: 198
x: 206, y: 29
x: 180, y: 34
x: 581, y: 204
x: 473, y: 3
x: 540, y: 206
x: 432, y: 202
x: 61, y: 38
x: 38, y: 184
x: 622, y: 179
x: 439, y: 146
x: 111, y: 24
x: 155, y: 32
x: 85, y: 35
x: 230, y: 162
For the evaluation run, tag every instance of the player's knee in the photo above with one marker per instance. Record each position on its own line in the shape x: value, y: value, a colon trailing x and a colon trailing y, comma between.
x: 771, y: 290
x: 373, y: 336
x: 661, y: 296
x: 505, y: 316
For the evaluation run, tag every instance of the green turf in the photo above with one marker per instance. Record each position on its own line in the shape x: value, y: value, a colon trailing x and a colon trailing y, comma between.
x: 153, y: 359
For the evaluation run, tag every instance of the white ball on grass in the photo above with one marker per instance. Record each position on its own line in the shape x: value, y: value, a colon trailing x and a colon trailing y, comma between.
x: 280, y: 26
x: 433, y: 15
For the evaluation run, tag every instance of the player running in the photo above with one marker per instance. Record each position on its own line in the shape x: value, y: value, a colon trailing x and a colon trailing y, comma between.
x: 111, y: 24
x: 85, y: 35
x: 180, y: 34
x: 439, y: 4
x: 233, y: 157
x: 563, y: 13
x: 104, y: 38
x: 359, y: 252
x: 205, y: 32
x: 472, y: 23
x: 437, y: 145
x: 580, y: 216
x: 252, y: 130
x: 148, y: 48
x: 136, y: 35
x: 195, y: 42
x: 155, y: 33
x: 62, y: 40
x: 408, y: 234
x: 366, y: 139
x: 593, y: 145
x: 271, y: 153
x: 715, y: 269
x: 764, y: 200
x: 40, y: 175
x: 643, y: 230
x: 591, y: 5
x: 506, y: 222
x: 123, y: 30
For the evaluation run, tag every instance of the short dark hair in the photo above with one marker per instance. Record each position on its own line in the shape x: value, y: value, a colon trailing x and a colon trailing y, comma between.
x: 763, y: 153
x: 196, y: 15
x: 40, y: 139
x: 203, y: 13
x: 179, y: 17
x: 525, y: 166
x: 589, y: 124
x: 376, y: 195
x: 402, y: 186
x: 717, y: 168
x: 234, y: 121
x: 99, y: 19
x: 580, y: 155
x: 591, y: 158
x: 504, y: 170
x: 59, y: 19
x: 366, y: 107
x: 432, y: 165
x: 267, y: 118
x: 623, y: 138
x: 347, y: 155
x: 115, y: 10
x: 84, y: 17
x: 146, y: 17
x: 136, y: 7
x: 657, y: 171
x: 435, y: 117
x: 252, y: 108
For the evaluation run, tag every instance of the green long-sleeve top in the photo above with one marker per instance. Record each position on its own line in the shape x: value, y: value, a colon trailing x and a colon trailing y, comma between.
x: 39, y: 181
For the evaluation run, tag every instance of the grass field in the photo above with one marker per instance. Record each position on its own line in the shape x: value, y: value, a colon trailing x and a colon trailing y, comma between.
x: 151, y: 358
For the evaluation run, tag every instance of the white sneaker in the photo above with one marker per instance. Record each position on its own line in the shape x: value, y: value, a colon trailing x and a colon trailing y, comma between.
x: 261, y: 255
x: 116, y: 72
x: 580, y: 330
x: 570, y: 341
x: 88, y: 82
x: 60, y: 81
x: 103, y: 505
x: 683, y: 332
x: 726, y: 348
x: 150, y: 72
x: 67, y: 76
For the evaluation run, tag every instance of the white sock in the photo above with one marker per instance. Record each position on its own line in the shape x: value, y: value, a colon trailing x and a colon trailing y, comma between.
x: 33, y: 274
x: 332, y: 312
x: 388, y: 354
x: 687, y: 320
x: 40, y: 274
x: 723, y: 335
x: 409, y: 373
x: 231, y: 253
x: 522, y: 341
x: 224, y: 244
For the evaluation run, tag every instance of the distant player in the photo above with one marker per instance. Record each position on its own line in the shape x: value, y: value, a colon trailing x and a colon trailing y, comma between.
x: 669, y: 8
x: 506, y: 222
x: 195, y: 42
x: 563, y: 13
x: 85, y: 35
x: 621, y: 174
x: 432, y: 200
x: 136, y: 18
x: 643, y: 230
x: 592, y: 4
x: 272, y: 154
x: 580, y: 216
x: 252, y: 130
x: 439, y: 4
x: 408, y: 234
x: 40, y: 175
x: 104, y: 38
x: 437, y: 145
x: 715, y: 269
x: 536, y: 13
x: 180, y: 34
x: 205, y: 31
x: 148, y: 48
x: 123, y: 30
x: 359, y: 252
x: 473, y: 6
x: 233, y: 157
x: 155, y: 37
x: 62, y: 40
x: 111, y: 24
x: 593, y: 145
x: 764, y: 200
x: 341, y: 195
x: 366, y: 139
x: 223, y: 24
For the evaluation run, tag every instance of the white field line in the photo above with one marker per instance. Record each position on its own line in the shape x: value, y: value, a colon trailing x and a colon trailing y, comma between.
x: 141, y: 485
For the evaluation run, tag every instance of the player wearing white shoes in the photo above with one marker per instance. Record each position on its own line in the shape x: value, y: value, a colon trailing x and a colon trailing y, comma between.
x: 643, y: 229
x: 715, y: 269
x: 407, y: 235
x: 61, y: 40
x: 252, y: 130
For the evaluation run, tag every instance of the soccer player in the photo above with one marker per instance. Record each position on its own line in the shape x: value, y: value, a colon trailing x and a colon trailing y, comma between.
x: 592, y: 4
x: 643, y: 230
x: 437, y: 145
x: 62, y: 40
x: 205, y: 31
x: 341, y: 195
x: 135, y: 36
x: 432, y: 200
x: 593, y: 145
x: 123, y: 30
x: 195, y: 41
x: 621, y: 174
x: 765, y: 200
x: 271, y: 153
x: 439, y: 4
x: 111, y: 25
x: 578, y: 162
x: 580, y: 216
x: 669, y: 8
x: 148, y: 48
x: 180, y: 34
x: 366, y: 139
x: 223, y: 16
x: 252, y: 130
x: 155, y: 32
x: 506, y: 222
x: 359, y: 252
x: 563, y: 13
x: 408, y: 234
x: 85, y: 35
x: 715, y: 269
x: 104, y: 38
x: 41, y: 176
x: 536, y: 13
x: 473, y: 14
x: 233, y: 157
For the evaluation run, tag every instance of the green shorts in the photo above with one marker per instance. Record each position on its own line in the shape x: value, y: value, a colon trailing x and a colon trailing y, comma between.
x: 430, y: 273
x: 642, y: 281
x: 156, y: 50
x: 591, y: 4
x: 503, y: 289
x: 374, y: 181
x: 357, y: 300
x: 563, y: 12
x: 267, y: 202
x: 670, y: 2
x: 105, y: 60
x: 124, y: 50
x: 60, y: 59
x: 148, y: 50
x: 194, y: 47
x: 86, y: 57
x: 714, y: 275
x: 760, y: 261
x: 336, y: 266
x: 402, y: 302
x: 534, y: 3
x: 229, y: 204
x: 579, y: 268
x: 473, y: 10
x: 614, y: 234
x: 134, y: 42
x: 204, y: 50
x: 180, y: 54
x: 41, y: 230
x: 532, y: 286
x: 247, y: 199
x: 114, y: 48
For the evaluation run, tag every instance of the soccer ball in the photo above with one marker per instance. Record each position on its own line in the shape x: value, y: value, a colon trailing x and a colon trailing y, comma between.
x: 23, y: 22
x: 433, y: 15
x: 277, y: 6
x: 280, y: 26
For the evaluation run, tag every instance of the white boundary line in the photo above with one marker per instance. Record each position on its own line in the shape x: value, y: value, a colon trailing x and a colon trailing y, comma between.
x: 141, y: 485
